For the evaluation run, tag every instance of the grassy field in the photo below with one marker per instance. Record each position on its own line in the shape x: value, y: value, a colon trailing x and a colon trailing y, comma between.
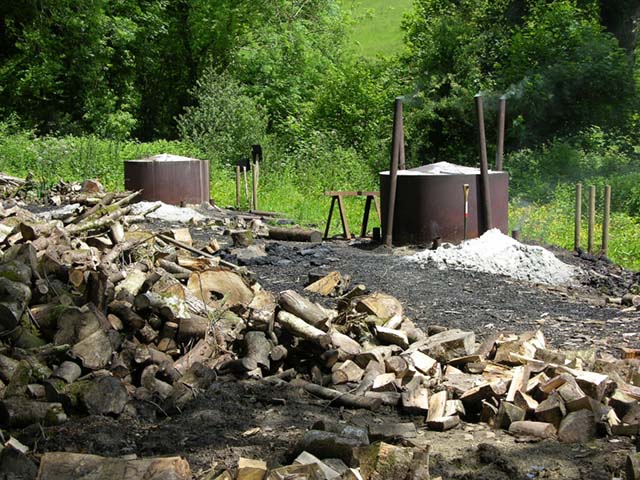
x: 377, y: 26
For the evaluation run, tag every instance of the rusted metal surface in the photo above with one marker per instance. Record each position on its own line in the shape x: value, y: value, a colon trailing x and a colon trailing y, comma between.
x: 432, y: 206
x: 396, y: 148
x: 169, y: 178
x: 485, y: 190
x: 502, y: 116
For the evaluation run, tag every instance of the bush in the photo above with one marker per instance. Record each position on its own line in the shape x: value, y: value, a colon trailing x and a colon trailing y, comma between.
x: 225, y: 121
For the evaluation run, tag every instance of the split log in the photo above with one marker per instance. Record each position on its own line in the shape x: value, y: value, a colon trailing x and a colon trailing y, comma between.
x: 338, y: 398
x: 347, y: 346
x: 507, y: 414
x: 383, y: 306
x: 415, y: 398
x: 437, y: 405
x: 56, y: 465
x: 199, y: 353
x: 392, y: 336
x: 295, y: 235
x: 442, y: 424
x: 371, y: 372
x: 385, y: 462
x: 552, y: 410
x: 68, y: 371
x: 226, y: 284
x: 310, y: 312
x: 124, y: 311
x: 326, y: 285
x: 446, y: 345
x: 391, y: 399
x: 346, y: 372
x: 578, y: 426
x: 389, y: 432
x: 94, y: 351
x: 302, y: 329
x: 250, y: 469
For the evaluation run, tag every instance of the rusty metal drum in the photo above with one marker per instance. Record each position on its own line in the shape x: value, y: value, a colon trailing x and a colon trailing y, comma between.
x: 430, y: 203
x: 169, y: 178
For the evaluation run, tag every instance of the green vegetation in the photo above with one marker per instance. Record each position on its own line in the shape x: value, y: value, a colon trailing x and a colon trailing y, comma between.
x: 86, y: 85
x: 376, y: 28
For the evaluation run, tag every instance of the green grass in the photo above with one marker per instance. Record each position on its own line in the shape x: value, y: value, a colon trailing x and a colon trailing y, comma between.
x: 376, y: 30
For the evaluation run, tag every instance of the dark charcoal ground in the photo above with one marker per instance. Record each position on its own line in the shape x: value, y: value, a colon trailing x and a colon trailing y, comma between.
x: 572, y: 318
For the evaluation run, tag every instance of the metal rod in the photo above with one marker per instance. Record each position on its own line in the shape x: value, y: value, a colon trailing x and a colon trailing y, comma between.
x: 393, y: 173
x: 465, y: 190
x: 484, y: 169
x: 501, y: 121
x: 605, y: 220
x: 255, y: 185
x: 578, y: 217
x: 237, y: 186
x: 592, y: 218
x: 400, y: 144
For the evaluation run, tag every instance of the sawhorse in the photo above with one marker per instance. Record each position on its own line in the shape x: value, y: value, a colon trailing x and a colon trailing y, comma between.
x: 371, y: 197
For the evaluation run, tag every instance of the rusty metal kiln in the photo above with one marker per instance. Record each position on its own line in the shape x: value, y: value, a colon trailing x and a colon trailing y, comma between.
x: 430, y: 203
x: 169, y: 178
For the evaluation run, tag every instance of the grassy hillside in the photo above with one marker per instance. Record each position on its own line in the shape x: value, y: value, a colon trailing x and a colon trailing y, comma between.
x: 377, y: 25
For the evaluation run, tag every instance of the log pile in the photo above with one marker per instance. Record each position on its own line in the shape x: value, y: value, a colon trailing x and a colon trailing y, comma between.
x: 97, y: 317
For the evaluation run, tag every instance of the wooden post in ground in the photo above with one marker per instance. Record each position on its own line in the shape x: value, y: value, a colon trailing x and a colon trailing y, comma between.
x: 592, y: 218
x: 605, y: 220
x: 237, y: 186
x: 255, y: 185
x: 578, y: 218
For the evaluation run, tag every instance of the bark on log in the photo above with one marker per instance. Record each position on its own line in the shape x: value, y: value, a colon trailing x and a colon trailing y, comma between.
x: 302, y: 329
x: 57, y: 465
x: 19, y: 412
x: 295, y: 235
x: 301, y: 307
x: 339, y: 398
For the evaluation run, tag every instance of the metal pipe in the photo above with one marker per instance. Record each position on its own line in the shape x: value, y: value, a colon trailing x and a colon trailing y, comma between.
x: 605, y: 220
x: 484, y: 168
x: 578, y: 217
x: 393, y: 172
x: 592, y: 218
x: 400, y: 144
x: 501, y: 121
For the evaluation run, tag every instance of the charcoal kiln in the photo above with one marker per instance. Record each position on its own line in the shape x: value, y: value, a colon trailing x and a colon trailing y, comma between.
x: 430, y: 203
x: 169, y: 178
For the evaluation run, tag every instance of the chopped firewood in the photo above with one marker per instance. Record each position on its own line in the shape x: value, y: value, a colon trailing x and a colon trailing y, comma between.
x: 302, y: 329
x: 326, y: 444
x: 384, y: 462
x: 507, y: 414
x: 398, y: 366
x: 381, y: 305
x: 594, y: 384
x: 305, y: 458
x: 56, y: 465
x: 338, y: 398
x: 18, y: 412
x: 391, y: 399
x: 310, y: 312
x: 528, y: 428
x: 518, y: 382
x: 392, y: 336
x: 326, y: 285
x: 437, y: 405
x: 251, y: 469
x: 446, y: 345
x: 415, y: 398
x: 371, y: 372
x: 295, y: 235
x: 442, y: 424
x: 106, y: 396
x: 385, y: 382
x: 347, y: 372
x: 577, y: 426
x: 310, y: 471
x: 525, y: 401
x: 552, y: 410
x: 228, y: 285
x: 347, y: 346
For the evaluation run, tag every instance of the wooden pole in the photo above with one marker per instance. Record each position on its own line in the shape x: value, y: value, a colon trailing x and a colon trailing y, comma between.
x: 501, y: 121
x: 592, y: 218
x: 605, y: 220
x: 246, y: 183
x: 393, y: 173
x: 484, y: 168
x: 255, y: 185
x: 237, y: 186
x: 400, y: 144
x: 578, y: 217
